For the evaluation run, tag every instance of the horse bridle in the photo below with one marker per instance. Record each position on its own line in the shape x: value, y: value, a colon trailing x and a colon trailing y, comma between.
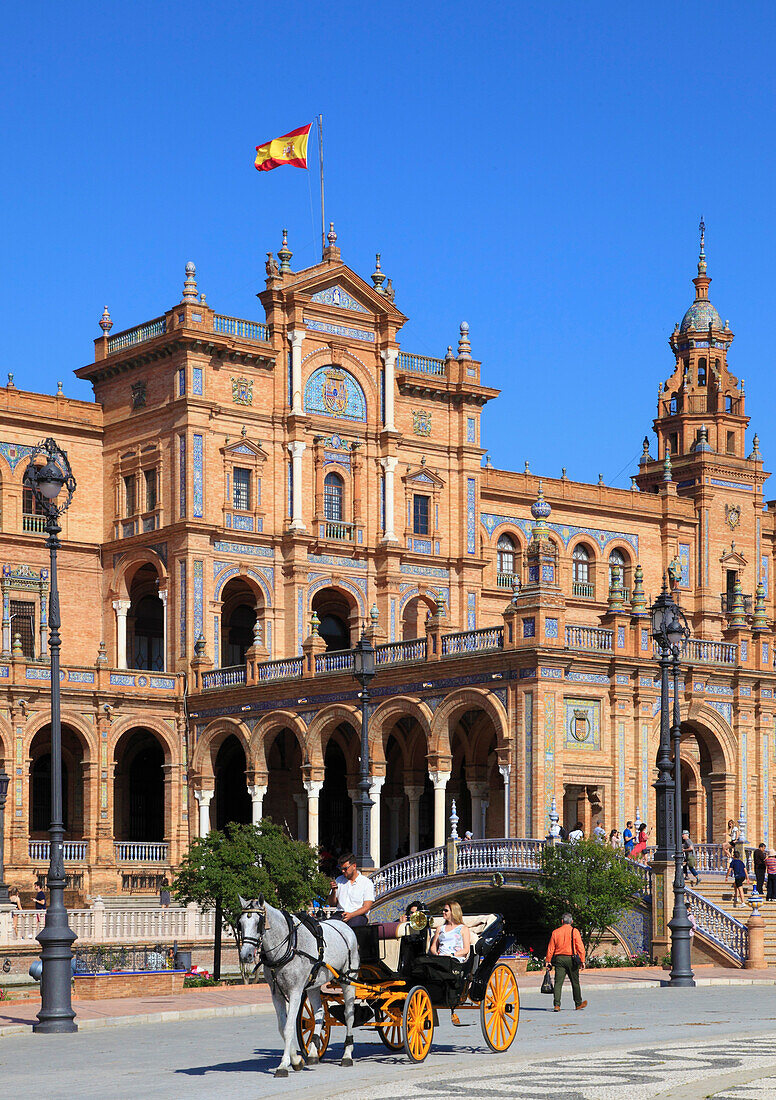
x: 289, y: 941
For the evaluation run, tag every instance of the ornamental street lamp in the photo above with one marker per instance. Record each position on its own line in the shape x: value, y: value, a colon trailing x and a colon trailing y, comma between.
x: 5, y: 779
x: 364, y: 671
x: 46, y: 480
x: 670, y: 631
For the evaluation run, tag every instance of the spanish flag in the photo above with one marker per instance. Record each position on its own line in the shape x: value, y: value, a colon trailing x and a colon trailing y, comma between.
x: 289, y: 149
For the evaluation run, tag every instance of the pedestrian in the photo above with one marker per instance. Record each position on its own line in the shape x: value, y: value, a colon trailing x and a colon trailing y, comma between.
x: 628, y: 839
x: 164, y: 894
x: 733, y: 835
x: 693, y: 922
x: 577, y: 833
x: 688, y: 848
x: 16, y: 902
x: 759, y: 857
x: 599, y: 832
x: 468, y: 837
x: 615, y: 840
x: 740, y: 875
x: 567, y: 953
x: 40, y: 903
x: 640, y: 847
x: 770, y: 870
x: 352, y: 892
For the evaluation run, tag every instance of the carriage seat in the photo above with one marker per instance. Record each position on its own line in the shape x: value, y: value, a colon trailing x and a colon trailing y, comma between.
x: 443, y: 977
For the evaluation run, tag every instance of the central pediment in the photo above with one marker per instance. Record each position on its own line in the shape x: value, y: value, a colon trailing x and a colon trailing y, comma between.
x: 338, y: 297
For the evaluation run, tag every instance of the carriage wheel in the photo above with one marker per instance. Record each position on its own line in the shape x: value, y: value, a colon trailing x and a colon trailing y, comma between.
x: 389, y: 1028
x: 305, y: 1026
x: 418, y: 1024
x: 500, y: 1009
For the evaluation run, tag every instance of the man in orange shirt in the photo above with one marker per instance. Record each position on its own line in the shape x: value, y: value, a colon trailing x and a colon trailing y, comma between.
x: 565, y: 943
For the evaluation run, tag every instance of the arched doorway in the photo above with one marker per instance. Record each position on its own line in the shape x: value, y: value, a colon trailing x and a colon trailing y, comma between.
x: 72, y: 784
x: 413, y: 622
x: 336, y: 616
x: 232, y: 801
x: 240, y: 609
x: 708, y: 788
x: 145, y: 621
x: 285, y: 801
x: 336, y: 809
x: 138, y: 799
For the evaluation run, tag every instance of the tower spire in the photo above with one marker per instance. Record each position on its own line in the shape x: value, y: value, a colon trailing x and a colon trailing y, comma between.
x: 702, y: 254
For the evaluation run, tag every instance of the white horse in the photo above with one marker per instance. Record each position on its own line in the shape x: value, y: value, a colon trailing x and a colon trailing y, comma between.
x: 289, y: 953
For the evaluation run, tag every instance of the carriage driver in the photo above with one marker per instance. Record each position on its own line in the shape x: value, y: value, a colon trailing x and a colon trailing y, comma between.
x: 352, y: 892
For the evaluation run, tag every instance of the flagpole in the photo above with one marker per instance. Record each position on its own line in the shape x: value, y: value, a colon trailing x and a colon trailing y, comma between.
x: 320, y: 153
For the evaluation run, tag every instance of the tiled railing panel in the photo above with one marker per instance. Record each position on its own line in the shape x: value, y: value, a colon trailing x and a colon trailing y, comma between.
x: 246, y: 330
x: 136, y: 335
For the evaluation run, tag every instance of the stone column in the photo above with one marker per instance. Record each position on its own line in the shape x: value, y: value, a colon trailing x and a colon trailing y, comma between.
x: 301, y: 815
x: 163, y: 598
x: 478, y: 791
x: 389, y: 358
x: 204, y: 798
x: 313, y: 788
x: 296, y: 337
x: 7, y: 622
x: 121, y: 607
x: 378, y: 782
x: 257, y: 792
x: 439, y: 779
x: 297, y: 450
x: 414, y: 794
x: 389, y: 465
x: 395, y: 806
x: 504, y: 770
x: 353, y: 793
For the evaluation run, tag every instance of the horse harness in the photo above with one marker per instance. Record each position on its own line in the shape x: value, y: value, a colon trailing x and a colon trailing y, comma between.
x: 292, y: 949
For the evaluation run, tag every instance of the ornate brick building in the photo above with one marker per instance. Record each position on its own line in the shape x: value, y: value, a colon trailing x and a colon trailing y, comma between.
x: 251, y: 493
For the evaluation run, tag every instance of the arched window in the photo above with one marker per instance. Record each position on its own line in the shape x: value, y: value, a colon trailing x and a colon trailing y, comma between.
x: 701, y: 372
x: 581, y: 568
x: 619, y: 559
x: 505, y: 550
x: 332, y: 497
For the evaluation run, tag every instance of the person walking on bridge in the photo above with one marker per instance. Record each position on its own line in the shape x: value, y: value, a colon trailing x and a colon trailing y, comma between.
x: 567, y: 952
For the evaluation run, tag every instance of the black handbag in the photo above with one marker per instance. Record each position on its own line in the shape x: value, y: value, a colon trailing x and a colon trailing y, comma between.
x: 548, y: 985
x: 576, y: 960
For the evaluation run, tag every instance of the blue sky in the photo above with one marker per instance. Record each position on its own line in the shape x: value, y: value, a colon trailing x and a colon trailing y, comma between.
x: 538, y: 170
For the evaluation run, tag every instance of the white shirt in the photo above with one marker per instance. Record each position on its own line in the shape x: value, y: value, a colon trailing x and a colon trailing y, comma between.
x: 575, y: 835
x: 352, y: 895
x: 599, y: 833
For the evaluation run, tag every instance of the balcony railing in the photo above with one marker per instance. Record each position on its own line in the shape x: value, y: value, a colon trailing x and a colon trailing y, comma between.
x: 74, y: 851
x: 589, y: 638
x: 583, y: 589
x: 137, y: 335
x: 506, y: 580
x: 139, y: 852
x: 394, y: 653
x: 711, y: 653
x: 339, y: 660
x: 473, y: 641
x: 246, y: 330
x: 338, y: 532
x: 33, y: 523
x: 289, y: 668
x: 727, y: 601
x: 421, y: 364
x: 223, y: 677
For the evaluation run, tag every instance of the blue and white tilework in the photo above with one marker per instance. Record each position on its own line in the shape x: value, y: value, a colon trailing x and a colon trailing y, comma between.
x: 645, y: 640
x: 334, y: 392
x: 550, y: 628
x: 393, y: 618
x: 340, y: 330
x: 338, y: 297
x: 198, y: 598
x: 198, y: 473
x: 621, y: 637
x: 196, y: 381
x: 243, y: 548
x: 471, y: 507
x: 13, y: 453
x: 551, y: 673
x: 491, y: 521
x: 471, y: 430
x: 529, y: 628
x: 725, y: 709
x: 684, y: 565
x: 182, y: 473
x: 587, y: 678
x: 528, y: 724
x: 765, y: 572
x: 744, y: 649
x: 182, y: 611
x: 471, y: 610
x: 582, y: 721
x: 718, y: 689
x: 182, y: 382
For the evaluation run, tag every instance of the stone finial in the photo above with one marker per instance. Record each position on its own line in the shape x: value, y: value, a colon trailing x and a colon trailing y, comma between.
x: 59, y: 390
x: 563, y: 474
x: 374, y: 614
x: 737, y: 614
x: 271, y: 266
x: 760, y: 617
x: 616, y: 602
x: 600, y: 479
x: 16, y: 649
x: 190, y: 285
x: 203, y: 299
x: 102, y: 654
x: 315, y: 622
x: 257, y: 640
x: 638, y: 598
x: 285, y: 254
x: 378, y: 278
x: 464, y: 347
x: 439, y: 600
x: 755, y: 456
x: 667, y: 472
x: 389, y: 292
x: 453, y: 822
x: 742, y: 385
x: 244, y: 431
x: 634, y: 486
x: 331, y: 236
x: 554, y: 820
x: 11, y: 384
x: 449, y: 354
x: 702, y: 253
x: 645, y: 455
x: 199, y: 646
x: 106, y: 324
x: 527, y: 469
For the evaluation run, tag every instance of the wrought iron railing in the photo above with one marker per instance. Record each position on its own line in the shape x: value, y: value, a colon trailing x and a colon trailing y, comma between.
x: 288, y: 668
x: 246, y: 330
x: 719, y: 926
x: 589, y: 638
x: 727, y: 603
x: 473, y: 641
x: 137, y: 335
x: 339, y: 660
x: 74, y: 851
x: 421, y: 364
x: 131, y: 851
x: 394, y: 653
x: 223, y: 677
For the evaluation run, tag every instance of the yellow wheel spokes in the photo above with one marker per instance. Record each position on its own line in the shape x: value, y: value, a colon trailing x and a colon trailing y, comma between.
x: 418, y: 1024
x: 500, y: 1009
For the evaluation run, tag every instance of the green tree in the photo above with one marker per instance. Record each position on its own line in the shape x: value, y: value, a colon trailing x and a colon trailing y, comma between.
x: 591, y: 881
x: 249, y: 860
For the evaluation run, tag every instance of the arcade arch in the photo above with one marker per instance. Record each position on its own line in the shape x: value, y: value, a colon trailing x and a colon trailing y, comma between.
x: 242, y: 606
x: 140, y: 811
x: 74, y: 804
x: 338, y: 617
x: 413, y: 623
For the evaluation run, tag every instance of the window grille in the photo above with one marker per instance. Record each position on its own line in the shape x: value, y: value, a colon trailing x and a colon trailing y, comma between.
x: 420, y: 512
x: 332, y: 497
x: 23, y: 624
x: 241, y: 497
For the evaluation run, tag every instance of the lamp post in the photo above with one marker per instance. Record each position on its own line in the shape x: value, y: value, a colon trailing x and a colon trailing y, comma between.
x: 670, y: 631
x: 364, y: 671
x: 5, y: 779
x: 46, y: 479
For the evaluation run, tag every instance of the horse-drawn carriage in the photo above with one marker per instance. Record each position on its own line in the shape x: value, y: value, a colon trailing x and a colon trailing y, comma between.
x: 402, y: 1005
x: 330, y: 975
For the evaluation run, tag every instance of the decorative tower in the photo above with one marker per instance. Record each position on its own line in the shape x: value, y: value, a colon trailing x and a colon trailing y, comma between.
x: 536, y: 613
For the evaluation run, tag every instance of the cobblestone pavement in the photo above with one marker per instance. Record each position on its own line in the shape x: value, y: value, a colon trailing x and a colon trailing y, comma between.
x: 627, y: 1045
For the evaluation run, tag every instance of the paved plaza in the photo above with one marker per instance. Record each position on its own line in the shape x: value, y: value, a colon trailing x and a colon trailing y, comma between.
x: 712, y: 1041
